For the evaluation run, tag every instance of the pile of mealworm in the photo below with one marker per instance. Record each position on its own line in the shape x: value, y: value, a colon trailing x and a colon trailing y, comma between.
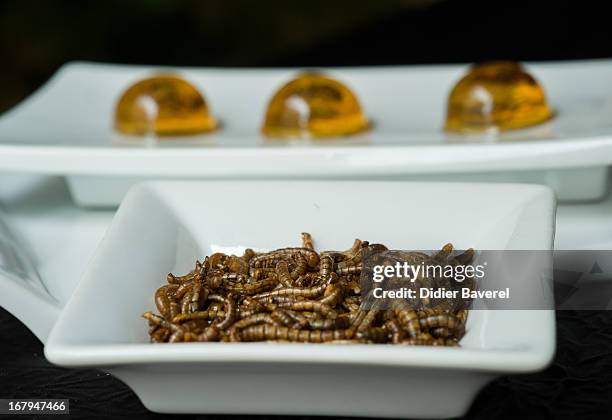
x: 291, y: 295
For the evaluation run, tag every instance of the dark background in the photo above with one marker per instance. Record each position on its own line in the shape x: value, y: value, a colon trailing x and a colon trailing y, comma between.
x: 36, y: 37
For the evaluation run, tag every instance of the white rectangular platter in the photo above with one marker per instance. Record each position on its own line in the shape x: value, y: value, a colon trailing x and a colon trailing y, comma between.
x: 66, y: 129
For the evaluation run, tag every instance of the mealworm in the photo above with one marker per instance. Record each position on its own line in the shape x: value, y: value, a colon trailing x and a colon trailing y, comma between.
x: 308, y: 292
x: 273, y: 332
x: 230, y: 310
x: 318, y: 307
x: 209, y: 315
x: 296, y: 294
x: 307, y: 241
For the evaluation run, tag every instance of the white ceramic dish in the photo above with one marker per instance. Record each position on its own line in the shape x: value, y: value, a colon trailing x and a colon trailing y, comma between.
x: 164, y: 226
x: 66, y: 128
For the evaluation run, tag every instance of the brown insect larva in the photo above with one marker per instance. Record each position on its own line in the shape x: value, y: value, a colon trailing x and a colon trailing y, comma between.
x: 332, y: 295
x: 375, y: 334
x: 255, y: 319
x: 367, y: 320
x: 186, y: 303
x: 349, y: 269
x: 409, y: 321
x: 307, y: 241
x: 261, y: 273
x: 245, y: 313
x: 180, y: 292
x: 326, y: 265
x: 248, y: 254
x: 238, y: 265
x: 462, y: 315
x: 250, y: 303
x: 309, y: 292
x: 176, y: 336
x: 172, y: 279
x: 160, y: 335
x: 328, y: 323
x: 283, y: 318
x: 211, y: 333
x: 230, y: 310
x: 298, y: 317
x: 301, y: 266
x: 199, y: 293
x: 161, y: 322
x: 218, y: 260
x: 425, y: 339
x: 353, y: 253
x: 444, y: 253
x: 310, y: 306
x: 251, y: 320
x: 441, y: 332
x: 312, y: 258
x: 175, y: 309
x: 283, y: 275
x: 298, y: 295
x: 397, y: 334
x: 208, y: 315
x: 259, y: 287
x: 162, y: 301
x: 442, y: 320
x: 273, y: 332
x: 352, y: 308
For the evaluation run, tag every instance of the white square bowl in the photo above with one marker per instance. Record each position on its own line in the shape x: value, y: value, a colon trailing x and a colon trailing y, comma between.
x: 164, y: 227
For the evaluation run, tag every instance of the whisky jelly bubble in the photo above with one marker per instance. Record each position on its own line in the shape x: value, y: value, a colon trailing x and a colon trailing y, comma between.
x: 163, y: 105
x: 314, y: 105
x: 496, y: 96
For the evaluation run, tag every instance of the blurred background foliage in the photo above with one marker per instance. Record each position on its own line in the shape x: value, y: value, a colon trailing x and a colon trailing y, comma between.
x: 37, y: 36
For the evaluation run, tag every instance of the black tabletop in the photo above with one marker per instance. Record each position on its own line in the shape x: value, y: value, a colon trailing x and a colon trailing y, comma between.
x: 577, y: 385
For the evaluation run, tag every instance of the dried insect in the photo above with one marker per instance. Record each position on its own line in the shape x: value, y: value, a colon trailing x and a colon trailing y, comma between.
x: 446, y: 320
x: 409, y: 321
x: 172, y: 279
x: 273, y: 332
x: 332, y: 295
x: 230, y: 310
x: 181, y: 318
x: 283, y: 275
x: 183, y: 288
x: 297, y: 295
x: 328, y: 323
x: 251, y: 320
x: 283, y: 318
x: 307, y: 241
x: 375, y: 334
x: 351, y: 268
x: 310, y: 306
x: 256, y: 287
x: 393, y: 327
x: 295, y: 292
x: 326, y: 265
x: 162, y: 301
x: 301, y: 266
x: 198, y: 296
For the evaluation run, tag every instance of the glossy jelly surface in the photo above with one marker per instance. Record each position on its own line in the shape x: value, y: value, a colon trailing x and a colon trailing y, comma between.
x: 496, y: 96
x: 313, y: 106
x: 163, y: 105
